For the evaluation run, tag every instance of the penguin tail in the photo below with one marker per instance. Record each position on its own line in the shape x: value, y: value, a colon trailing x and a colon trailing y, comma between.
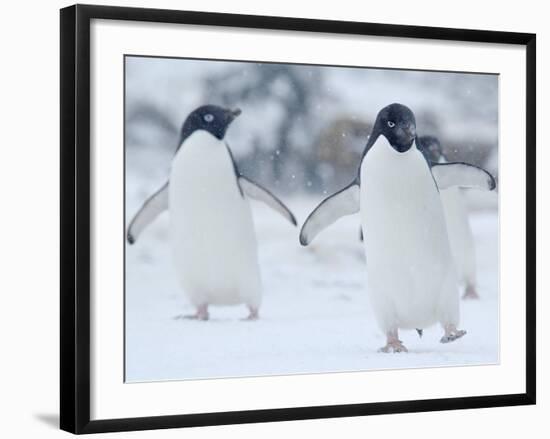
x: 420, y: 332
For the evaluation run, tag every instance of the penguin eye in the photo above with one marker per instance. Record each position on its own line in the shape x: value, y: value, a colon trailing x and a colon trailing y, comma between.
x: 391, y: 124
x: 208, y: 117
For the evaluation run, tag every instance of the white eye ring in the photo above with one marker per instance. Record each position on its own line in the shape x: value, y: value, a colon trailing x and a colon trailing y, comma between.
x: 208, y: 117
x: 391, y: 124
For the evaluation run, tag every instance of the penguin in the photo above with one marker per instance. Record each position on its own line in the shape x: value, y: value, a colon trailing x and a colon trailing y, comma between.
x: 211, y: 227
x: 410, y: 271
x: 458, y: 226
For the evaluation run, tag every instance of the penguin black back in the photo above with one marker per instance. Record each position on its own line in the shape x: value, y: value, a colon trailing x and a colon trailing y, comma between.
x: 431, y: 148
x: 211, y: 118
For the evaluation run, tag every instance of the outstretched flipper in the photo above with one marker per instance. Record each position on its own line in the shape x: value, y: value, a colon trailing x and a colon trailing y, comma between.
x: 344, y: 202
x: 153, y: 207
x: 257, y: 192
x: 460, y: 174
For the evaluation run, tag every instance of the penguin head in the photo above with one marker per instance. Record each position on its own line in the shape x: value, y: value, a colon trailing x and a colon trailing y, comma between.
x: 431, y: 148
x: 210, y: 118
x: 396, y: 122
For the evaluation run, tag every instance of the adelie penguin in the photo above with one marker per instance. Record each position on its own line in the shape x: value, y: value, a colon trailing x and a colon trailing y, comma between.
x: 211, y: 227
x: 456, y: 216
x: 411, y: 276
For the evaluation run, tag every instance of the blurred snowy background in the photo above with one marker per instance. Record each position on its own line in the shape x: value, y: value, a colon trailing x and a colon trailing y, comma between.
x: 304, y: 127
x: 301, y: 134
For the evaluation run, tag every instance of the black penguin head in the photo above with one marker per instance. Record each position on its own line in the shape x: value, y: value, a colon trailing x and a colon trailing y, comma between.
x: 209, y: 118
x: 397, y: 123
x: 431, y: 148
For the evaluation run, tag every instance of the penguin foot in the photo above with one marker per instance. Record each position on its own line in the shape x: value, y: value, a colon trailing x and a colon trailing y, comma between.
x: 254, y: 315
x: 394, y: 346
x: 201, y: 314
x: 452, y: 334
x: 470, y: 293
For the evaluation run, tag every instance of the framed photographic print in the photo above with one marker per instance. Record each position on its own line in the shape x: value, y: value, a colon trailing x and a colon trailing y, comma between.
x: 268, y: 218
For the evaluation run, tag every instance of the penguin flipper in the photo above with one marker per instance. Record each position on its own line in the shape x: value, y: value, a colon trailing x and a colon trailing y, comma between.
x: 257, y: 192
x: 153, y: 207
x: 343, y: 202
x: 460, y: 174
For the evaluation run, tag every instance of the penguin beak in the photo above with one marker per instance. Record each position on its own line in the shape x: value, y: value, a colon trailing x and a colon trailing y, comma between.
x: 230, y: 115
x: 410, y: 131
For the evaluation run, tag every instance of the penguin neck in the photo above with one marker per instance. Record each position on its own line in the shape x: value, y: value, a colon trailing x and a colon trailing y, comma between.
x: 199, y: 137
x: 395, y: 171
x: 381, y: 146
x: 200, y: 149
x: 188, y: 132
x: 384, y: 149
x: 374, y: 139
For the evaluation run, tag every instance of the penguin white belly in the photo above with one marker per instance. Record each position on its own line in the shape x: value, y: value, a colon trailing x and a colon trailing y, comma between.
x: 411, y: 278
x: 212, y: 231
x: 460, y: 234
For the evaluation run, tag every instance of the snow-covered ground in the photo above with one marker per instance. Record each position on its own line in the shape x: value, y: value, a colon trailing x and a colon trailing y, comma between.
x: 315, y: 315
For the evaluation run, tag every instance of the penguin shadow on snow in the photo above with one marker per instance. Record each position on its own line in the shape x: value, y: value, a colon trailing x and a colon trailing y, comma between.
x: 190, y: 318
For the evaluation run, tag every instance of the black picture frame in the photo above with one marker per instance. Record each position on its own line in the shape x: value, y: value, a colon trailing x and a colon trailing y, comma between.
x: 75, y: 217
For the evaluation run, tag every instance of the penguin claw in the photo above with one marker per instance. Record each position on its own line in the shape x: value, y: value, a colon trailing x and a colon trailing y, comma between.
x: 455, y: 335
x: 202, y: 317
x: 201, y: 314
x: 393, y: 347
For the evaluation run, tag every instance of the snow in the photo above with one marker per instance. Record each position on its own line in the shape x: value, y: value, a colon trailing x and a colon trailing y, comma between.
x: 315, y: 316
